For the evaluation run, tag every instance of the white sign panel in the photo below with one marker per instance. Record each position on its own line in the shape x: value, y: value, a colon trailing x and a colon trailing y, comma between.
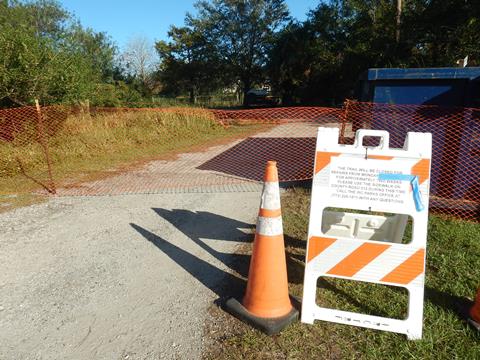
x: 366, y: 247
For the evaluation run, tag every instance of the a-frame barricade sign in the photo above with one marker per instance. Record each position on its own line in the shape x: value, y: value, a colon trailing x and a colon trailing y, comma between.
x: 368, y: 247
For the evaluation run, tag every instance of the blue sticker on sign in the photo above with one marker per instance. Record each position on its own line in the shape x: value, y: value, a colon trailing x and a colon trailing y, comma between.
x: 413, y: 181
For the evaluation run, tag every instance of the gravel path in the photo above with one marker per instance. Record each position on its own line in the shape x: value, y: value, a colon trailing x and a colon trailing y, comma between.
x: 116, y: 277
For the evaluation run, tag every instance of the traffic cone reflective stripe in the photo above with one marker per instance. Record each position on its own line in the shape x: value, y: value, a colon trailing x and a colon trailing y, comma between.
x: 270, y: 197
x: 270, y: 227
x: 267, y: 288
x: 269, y: 213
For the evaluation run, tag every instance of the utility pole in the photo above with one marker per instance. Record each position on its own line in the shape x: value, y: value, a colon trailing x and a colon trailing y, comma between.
x: 399, y: 20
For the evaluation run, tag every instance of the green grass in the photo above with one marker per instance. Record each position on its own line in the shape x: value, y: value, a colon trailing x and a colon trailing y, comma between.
x: 84, y: 147
x: 452, y: 278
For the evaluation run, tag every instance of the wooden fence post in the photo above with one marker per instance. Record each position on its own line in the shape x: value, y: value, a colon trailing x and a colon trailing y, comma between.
x: 43, y: 143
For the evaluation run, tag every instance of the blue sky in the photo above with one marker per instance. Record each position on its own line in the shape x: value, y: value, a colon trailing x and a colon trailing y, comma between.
x: 123, y: 19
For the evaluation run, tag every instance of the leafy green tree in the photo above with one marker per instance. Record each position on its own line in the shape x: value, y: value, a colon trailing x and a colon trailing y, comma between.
x: 189, y: 63
x: 306, y: 61
x: 437, y: 33
x: 320, y: 59
x: 98, y: 48
x: 46, y: 54
x: 242, y: 32
x: 290, y: 62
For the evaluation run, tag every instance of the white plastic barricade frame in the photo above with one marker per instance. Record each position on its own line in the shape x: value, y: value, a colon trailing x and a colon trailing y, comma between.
x: 377, y: 179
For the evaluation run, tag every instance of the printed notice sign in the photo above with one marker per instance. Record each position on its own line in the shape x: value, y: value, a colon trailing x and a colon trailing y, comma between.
x: 359, y: 181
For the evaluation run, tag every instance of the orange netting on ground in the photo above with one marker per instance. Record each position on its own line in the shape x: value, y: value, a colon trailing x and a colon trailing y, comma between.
x: 84, y: 151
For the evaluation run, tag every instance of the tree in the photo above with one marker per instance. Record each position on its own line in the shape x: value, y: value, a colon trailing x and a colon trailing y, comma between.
x: 306, y: 60
x: 189, y: 63
x: 98, y: 48
x: 437, y: 33
x: 242, y: 31
x: 35, y: 62
x: 290, y: 62
x: 320, y: 59
x: 139, y: 59
x: 46, y: 54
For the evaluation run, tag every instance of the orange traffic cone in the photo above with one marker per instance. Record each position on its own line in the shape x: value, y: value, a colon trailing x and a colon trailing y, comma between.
x: 475, y: 312
x: 267, y: 305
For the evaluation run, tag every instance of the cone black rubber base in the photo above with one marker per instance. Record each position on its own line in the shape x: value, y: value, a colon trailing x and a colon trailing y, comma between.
x: 269, y: 326
x: 475, y: 324
x: 464, y: 311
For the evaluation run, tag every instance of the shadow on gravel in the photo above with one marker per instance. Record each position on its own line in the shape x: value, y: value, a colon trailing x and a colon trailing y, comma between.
x: 220, y: 282
x: 201, y: 227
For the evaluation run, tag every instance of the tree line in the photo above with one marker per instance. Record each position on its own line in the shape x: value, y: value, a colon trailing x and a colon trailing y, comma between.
x: 46, y: 54
x: 230, y: 47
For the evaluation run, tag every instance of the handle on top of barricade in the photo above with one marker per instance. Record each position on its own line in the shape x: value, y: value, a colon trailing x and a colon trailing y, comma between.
x: 383, y: 135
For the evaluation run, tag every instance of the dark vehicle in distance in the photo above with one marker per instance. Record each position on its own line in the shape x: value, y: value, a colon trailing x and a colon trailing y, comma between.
x: 261, y: 97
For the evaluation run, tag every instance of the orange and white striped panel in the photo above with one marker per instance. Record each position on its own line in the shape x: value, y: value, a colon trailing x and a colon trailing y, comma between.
x: 370, y: 261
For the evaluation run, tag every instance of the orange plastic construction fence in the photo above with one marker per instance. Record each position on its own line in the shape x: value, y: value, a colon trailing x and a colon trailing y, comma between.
x: 35, y: 143
x: 455, y: 184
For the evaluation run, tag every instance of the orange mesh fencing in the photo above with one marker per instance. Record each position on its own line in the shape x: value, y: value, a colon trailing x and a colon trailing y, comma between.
x: 24, y: 137
x: 455, y: 183
x: 280, y: 115
x: 97, y: 151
